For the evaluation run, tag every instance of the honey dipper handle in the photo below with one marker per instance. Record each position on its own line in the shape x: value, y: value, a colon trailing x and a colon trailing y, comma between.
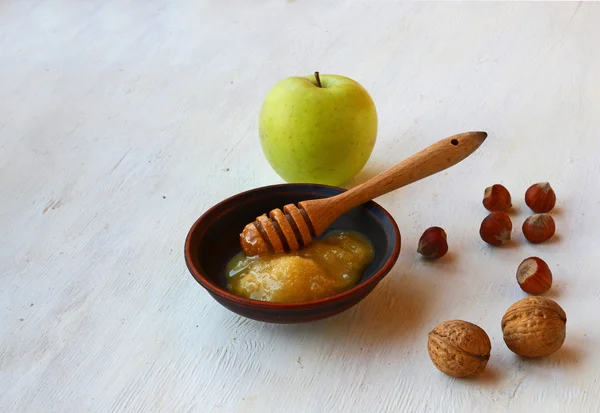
x: 433, y: 159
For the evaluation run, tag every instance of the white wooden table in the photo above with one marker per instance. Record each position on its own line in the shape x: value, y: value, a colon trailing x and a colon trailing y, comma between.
x: 121, y: 122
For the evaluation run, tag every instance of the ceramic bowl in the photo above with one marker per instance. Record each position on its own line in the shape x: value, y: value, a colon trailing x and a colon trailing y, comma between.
x: 214, y: 239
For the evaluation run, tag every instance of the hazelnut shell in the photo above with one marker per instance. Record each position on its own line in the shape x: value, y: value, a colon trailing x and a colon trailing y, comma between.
x: 540, y: 197
x: 497, y: 198
x: 534, y: 276
x: 433, y: 243
x: 496, y: 228
x: 539, y: 228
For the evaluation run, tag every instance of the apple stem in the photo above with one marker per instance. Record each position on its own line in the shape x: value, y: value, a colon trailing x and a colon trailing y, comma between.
x: 318, y: 79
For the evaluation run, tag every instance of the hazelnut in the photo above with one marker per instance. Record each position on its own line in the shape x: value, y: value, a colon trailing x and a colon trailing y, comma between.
x: 496, y: 198
x: 496, y: 228
x: 459, y: 348
x: 539, y: 228
x: 540, y: 197
x: 534, y: 327
x: 433, y: 243
x: 534, y: 276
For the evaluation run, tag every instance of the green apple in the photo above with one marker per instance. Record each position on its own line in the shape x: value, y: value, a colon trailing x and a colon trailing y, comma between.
x: 318, y: 129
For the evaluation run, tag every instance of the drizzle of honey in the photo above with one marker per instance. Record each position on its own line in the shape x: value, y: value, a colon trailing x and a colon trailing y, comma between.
x: 324, y: 268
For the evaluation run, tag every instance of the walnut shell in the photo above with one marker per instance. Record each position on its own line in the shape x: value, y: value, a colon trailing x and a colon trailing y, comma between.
x: 534, y: 327
x: 459, y: 348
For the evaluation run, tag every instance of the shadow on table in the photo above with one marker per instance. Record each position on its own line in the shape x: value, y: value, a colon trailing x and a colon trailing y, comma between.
x: 568, y: 356
x: 393, y: 313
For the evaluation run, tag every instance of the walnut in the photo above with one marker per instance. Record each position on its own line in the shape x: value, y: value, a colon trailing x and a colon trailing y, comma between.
x: 534, y: 327
x: 459, y: 348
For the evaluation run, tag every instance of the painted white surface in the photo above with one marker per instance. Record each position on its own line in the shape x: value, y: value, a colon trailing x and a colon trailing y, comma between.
x: 121, y: 122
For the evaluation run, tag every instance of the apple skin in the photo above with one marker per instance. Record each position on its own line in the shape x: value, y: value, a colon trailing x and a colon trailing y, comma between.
x: 313, y: 134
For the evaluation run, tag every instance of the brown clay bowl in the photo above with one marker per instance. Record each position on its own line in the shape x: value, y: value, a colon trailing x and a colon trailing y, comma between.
x: 214, y: 239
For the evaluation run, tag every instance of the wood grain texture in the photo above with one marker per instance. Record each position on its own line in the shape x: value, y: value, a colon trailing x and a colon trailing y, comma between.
x: 433, y: 159
x: 121, y: 122
x: 313, y: 217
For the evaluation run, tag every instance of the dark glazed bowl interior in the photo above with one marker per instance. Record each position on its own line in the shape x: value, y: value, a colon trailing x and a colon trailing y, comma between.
x: 214, y: 239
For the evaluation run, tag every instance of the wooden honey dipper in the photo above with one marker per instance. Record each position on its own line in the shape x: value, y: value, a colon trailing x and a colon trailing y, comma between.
x: 294, y: 227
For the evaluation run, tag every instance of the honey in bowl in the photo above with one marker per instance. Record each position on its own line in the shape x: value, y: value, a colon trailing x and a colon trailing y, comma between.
x: 324, y: 268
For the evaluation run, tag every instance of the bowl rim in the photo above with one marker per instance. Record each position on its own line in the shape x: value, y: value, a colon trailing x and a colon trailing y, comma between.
x: 247, y: 302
